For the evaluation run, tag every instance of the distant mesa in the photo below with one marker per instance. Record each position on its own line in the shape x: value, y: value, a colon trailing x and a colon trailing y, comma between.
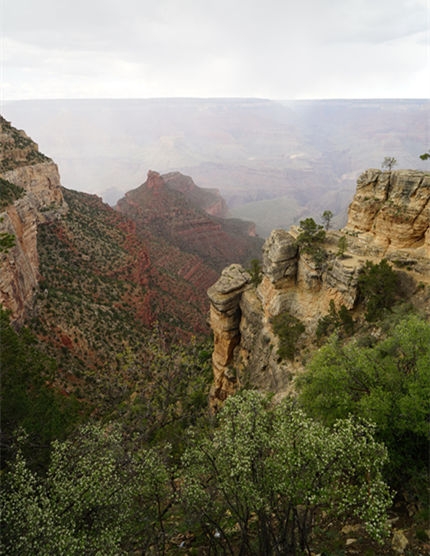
x: 173, y: 207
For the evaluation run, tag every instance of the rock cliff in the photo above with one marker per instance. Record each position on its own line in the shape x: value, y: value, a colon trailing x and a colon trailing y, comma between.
x: 388, y: 218
x: 392, y: 210
x: 25, y: 169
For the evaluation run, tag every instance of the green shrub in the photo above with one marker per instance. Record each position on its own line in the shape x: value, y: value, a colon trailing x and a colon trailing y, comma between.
x: 289, y: 329
x: 9, y: 192
x: 387, y: 382
x: 378, y: 287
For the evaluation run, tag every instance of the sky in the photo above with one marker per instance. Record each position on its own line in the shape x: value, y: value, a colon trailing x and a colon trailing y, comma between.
x: 277, y: 49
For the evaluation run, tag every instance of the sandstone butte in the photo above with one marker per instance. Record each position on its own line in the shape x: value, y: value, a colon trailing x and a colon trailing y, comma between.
x: 389, y: 217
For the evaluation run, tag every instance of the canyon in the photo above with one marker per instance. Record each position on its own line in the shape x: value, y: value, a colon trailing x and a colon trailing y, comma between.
x: 273, y: 161
x: 152, y: 260
x: 167, y: 241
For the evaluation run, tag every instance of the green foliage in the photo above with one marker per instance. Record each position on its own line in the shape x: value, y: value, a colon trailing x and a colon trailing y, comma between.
x: 340, y: 321
x: 387, y: 383
x: 310, y: 238
x: 425, y: 156
x: 255, y: 272
x: 326, y: 216
x: 268, y: 473
x: 9, y: 192
x: 310, y: 235
x: 378, y: 287
x: 389, y: 162
x: 342, y: 246
x: 7, y: 241
x: 98, y: 497
x: 164, y: 394
x: 29, y: 399
x: 289, y: 329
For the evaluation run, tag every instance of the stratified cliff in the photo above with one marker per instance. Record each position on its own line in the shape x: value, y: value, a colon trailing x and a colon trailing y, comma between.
x: 388, y: 218
x: 23, y: 167
x: 392, y: 210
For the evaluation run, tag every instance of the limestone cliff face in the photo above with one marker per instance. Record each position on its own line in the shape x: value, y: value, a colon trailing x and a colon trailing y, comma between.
x: 245, y: 346
x: 42, y: 199
x: 392, y: 209
x: 388, y: 218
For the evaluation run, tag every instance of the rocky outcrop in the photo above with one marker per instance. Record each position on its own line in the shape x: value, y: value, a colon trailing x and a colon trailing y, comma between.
x: 388, y: 218
x: 241, y: 315
x: 225, y: 317
x: 392, y: 210
x: 42, y: 200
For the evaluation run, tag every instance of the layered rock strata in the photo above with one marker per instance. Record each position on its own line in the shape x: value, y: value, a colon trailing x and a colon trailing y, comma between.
x: 42, y: 200
x: 388, y: 217
x: 392, y: 210
x: 241, y: 314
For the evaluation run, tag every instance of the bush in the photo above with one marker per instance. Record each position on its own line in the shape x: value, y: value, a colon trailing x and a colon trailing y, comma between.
x: 268, y: 473
x: 378, y: 287
x: 387, y: 382
x: 289, y: 329
x: 9, y: 192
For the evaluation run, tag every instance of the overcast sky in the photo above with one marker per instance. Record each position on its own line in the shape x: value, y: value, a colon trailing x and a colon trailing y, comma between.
x: 279, y: 49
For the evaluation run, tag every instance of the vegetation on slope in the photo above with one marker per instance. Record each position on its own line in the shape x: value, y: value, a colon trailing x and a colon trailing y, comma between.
x: 387, y: 382
x: 29, y: 399
x: 9, y: 193
x: 98, y: 288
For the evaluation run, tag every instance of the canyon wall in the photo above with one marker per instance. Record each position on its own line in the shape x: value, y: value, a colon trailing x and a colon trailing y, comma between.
x: 392, y: 210
x: 388, y: 218
x: 40, y: 200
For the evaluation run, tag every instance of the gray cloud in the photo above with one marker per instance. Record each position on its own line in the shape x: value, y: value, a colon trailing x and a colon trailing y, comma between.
x: 272, y: 48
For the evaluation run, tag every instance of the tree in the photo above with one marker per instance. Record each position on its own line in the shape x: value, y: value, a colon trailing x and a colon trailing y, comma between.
x: 340, y: 321
x: 389, y: 162
x: 289, y: 329
x: 255, y: 272
x: 310, y: 238
x: 98, y: 497
x: 425, y: 156
x: 327, y: 215
x: 342, y: 246
x: 378, y: 287
x: 388, y: 383
x: 269, y: 473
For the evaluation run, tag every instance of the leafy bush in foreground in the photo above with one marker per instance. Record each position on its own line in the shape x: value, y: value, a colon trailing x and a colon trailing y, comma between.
x: 387, y: 383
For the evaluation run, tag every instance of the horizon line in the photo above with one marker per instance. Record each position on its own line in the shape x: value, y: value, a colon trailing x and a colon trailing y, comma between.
x: 203, y: 98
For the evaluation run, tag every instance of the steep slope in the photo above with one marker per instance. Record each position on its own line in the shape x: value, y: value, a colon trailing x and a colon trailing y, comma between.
x: 101, y: 295
x: 209, y: 200
x: 388, y: 218
x: 93, y: 283
x: 170, y: 207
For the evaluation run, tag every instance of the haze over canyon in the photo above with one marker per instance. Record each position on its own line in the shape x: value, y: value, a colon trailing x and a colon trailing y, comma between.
x: 275, y: 162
